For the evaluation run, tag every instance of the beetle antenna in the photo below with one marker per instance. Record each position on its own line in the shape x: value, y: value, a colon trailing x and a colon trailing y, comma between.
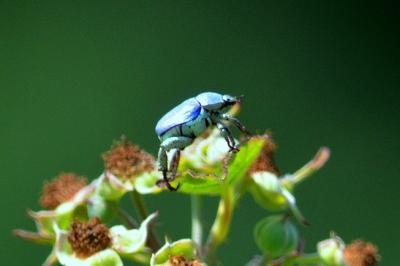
x: 239, y: 98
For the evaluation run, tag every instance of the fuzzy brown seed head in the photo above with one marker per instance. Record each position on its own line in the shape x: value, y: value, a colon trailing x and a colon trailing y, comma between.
x: 87, y: 238
x: 360, y: 253
x: 126, y: 160
x: 61, y: 189
x: 181, y: 261
x: 265, y: 161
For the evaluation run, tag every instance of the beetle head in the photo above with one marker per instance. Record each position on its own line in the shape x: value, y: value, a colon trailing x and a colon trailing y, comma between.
x: 216, y: 102
x: 231, y: 100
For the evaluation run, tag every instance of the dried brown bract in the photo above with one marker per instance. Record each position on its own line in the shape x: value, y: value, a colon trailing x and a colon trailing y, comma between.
x: 360, y: 253
x: 181, y: 261
x: 126, y: 160
x: 265, y: 161
x: 61, y: 189
x: 88, y: 238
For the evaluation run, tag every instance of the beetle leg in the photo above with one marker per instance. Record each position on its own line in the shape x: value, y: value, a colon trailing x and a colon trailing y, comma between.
x: 226, y: 133
x: 177, y: 143
x: 162, y: 159
x: 176, y: 156
x: 237, y: 123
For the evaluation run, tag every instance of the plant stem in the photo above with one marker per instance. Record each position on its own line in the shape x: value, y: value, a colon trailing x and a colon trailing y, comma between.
x: 220, y: 228
x: 127, y: 219
x: 305, y: 259
x: 197, y: 227
x: 257, y: 261
x: 316, y: 163
x: 51, y: 259
x: 138, y: 202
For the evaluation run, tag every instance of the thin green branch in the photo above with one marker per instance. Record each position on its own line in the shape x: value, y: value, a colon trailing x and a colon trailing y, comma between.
x: 128, y: 220
x: 221, y: 226
x: 140, y: 206
x: 315, y: 164
x: 197, y: 227
x: 303, y: 260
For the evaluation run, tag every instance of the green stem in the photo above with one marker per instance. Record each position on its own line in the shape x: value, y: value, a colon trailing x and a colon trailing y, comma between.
x: 128, y: 220
x: 305, y: 259
x: 307, y: 170
x: 197, y: 228
x: 220, y: 228
x: 51, y: 259
x: 138, y: 202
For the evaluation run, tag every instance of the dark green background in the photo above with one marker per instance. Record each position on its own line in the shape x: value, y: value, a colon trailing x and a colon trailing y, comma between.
x: 76, y: 74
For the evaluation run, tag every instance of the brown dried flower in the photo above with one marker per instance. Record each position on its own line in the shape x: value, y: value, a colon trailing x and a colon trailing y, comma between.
x: 61, y: 189
x: 88, y: 238
x: 181, y: 261
x: 126, y: 160
x: 360, y: 253
x: 265, y: 161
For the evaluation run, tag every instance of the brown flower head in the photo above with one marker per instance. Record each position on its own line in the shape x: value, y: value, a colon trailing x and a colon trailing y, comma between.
x: 126, y: 160
x: 181, y: 261
x: 88, y: 238
x: 360, y: 253
x: 61, y: 189
x: 265, y: 161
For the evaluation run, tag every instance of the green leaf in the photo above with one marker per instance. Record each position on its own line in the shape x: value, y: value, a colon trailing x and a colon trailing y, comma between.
x: 201, y: 185
x: 208, y: 184
x: 244, y: 159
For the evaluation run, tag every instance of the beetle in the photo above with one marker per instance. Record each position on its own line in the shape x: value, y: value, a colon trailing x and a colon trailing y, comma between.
x: 180, y: 126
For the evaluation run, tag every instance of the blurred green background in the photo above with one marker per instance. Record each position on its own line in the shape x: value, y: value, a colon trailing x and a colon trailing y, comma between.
x: 74, y: 75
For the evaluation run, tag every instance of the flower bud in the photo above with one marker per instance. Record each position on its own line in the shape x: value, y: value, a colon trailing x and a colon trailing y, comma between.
x: 269, y: 193
x: 331, y: 251
x: 276, y: 236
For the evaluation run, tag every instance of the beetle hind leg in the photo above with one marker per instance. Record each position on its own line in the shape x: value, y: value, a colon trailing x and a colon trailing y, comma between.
x: 176, y: 156
x: 175, y: 144
x: 166, y: 181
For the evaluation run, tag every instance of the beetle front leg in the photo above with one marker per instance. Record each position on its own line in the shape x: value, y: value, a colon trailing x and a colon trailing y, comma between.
x: 237, y: 123
x: 226, y: 133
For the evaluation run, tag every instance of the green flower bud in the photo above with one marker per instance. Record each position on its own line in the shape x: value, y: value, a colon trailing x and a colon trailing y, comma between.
x: 331, y: 251
x: 276, y: 236
x: 268, y: 192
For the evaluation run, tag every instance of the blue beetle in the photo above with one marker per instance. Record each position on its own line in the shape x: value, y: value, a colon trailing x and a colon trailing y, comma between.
x: 179, y: 127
